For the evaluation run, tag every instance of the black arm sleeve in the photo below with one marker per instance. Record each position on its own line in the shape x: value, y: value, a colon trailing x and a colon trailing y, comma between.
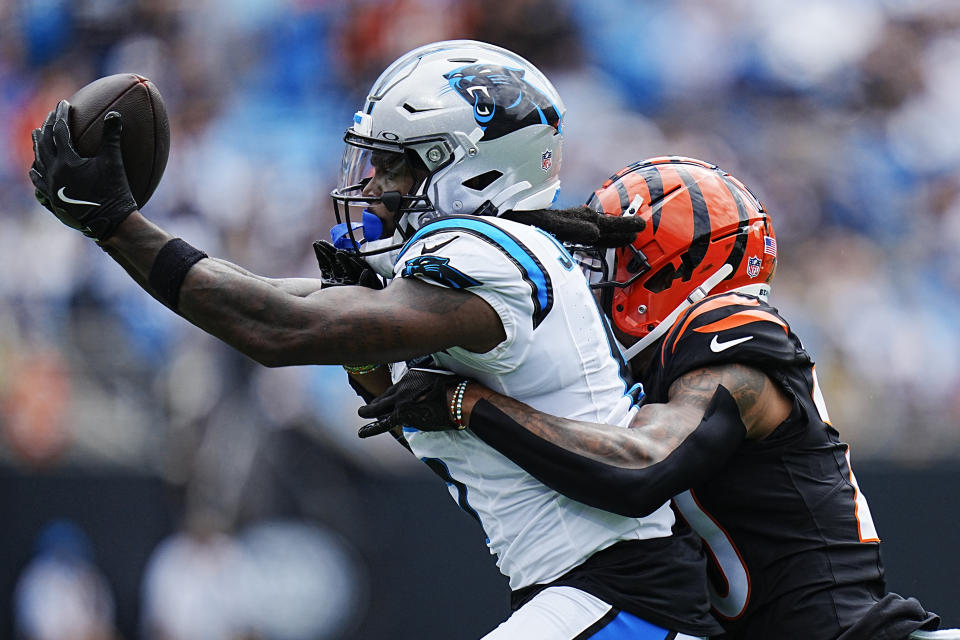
x: 628, y: 492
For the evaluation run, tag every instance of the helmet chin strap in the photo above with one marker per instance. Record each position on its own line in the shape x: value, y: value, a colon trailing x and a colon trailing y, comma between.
x: 382, y: 254
x: 409, y: 222
x: 696, y: 295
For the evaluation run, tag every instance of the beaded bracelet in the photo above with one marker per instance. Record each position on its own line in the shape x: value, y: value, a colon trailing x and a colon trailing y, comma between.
x: 456, y: 405
x: 453, y: 404
x: 360, y: 369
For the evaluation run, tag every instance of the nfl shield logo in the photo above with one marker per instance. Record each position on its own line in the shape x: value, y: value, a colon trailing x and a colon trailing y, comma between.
x: 753, y: 266
x: 546, y: 160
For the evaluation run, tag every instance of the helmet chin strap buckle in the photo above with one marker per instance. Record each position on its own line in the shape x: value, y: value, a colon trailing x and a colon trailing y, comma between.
x: 695, y: 296
x: 391, y: 200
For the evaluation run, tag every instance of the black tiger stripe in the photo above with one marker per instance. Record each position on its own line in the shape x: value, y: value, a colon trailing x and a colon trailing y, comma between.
x: 594, y: 203
x: 655, y: 188
x: 624, y: 195
x: 735, y: 259
x: 701, y: 227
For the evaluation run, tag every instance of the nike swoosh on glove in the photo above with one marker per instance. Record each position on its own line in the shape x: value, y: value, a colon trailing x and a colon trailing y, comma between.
x: 88, y: 194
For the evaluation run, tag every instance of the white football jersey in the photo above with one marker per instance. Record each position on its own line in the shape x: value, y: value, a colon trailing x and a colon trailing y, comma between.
x: 557, y: 357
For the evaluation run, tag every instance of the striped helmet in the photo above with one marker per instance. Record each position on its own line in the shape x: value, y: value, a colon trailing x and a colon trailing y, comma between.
x: 705, y: 233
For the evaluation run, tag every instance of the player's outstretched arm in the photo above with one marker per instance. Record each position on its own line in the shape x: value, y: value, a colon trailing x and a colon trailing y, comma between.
x: 274, y: 322
x: 348, y: 324
x: 294, y: 286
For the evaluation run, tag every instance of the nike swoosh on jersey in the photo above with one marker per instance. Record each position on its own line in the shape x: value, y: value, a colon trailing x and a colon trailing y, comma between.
x: 716, y: 346
x: 437, y: 247
x: 63, y: 196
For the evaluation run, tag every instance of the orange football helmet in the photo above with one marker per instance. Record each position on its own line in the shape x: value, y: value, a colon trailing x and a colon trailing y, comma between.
x: 705, y: 233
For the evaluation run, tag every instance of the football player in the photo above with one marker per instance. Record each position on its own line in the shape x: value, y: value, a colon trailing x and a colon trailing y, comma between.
x: 733, y: 426
x: 452, y: 136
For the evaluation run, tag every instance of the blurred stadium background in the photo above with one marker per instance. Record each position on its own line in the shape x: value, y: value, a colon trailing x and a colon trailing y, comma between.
x: 154, y: 484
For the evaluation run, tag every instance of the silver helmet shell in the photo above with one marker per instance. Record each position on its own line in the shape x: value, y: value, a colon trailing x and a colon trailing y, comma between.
x: 482, y: 122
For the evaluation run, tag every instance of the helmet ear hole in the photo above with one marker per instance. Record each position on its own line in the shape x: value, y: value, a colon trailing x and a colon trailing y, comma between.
x: 482, y: 181
x: 415, y: 161
x: 661, y: 280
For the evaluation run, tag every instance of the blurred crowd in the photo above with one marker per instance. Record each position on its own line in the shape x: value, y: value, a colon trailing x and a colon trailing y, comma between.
x: 276, y: 580
x: 840, y: 115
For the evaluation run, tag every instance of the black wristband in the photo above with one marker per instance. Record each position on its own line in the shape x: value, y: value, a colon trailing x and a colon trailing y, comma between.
x: 169, y: 269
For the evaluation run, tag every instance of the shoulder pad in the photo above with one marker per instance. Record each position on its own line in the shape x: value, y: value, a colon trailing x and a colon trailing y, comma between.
x: 482, y: 254
x: 729, y: 328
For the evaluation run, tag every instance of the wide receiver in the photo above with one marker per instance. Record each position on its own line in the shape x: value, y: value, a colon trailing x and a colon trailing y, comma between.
x: 450, y: 128
x: 733, y: 426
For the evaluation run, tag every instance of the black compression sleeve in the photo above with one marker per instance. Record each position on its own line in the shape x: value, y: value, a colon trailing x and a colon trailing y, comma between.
x: 628, y: 492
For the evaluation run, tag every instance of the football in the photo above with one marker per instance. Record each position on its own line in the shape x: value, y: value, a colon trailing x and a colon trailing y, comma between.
x: 145, y: 141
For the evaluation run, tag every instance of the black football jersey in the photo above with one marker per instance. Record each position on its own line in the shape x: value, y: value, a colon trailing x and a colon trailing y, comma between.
x: 793, y: 549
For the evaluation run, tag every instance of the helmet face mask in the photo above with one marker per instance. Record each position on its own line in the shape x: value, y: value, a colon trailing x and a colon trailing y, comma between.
x: 355, y: 207
x: 702, y: 226
x: 481, y: 125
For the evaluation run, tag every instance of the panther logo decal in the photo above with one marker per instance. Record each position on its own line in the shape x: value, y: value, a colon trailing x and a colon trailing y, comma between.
x: 438, y: 269
x: 502, y: 100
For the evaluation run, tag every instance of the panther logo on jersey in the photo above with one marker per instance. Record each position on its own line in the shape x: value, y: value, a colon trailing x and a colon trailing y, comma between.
x: 502, y: 100
x: 438, y: 269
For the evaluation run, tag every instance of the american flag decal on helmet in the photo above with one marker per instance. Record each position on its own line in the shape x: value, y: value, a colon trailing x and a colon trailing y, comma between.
x: 770, y: 246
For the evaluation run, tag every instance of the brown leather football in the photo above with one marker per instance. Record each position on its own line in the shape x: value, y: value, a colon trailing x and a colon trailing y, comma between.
x: 145, y: 141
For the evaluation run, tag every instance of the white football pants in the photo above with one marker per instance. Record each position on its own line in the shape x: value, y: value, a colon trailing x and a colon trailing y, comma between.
x: 566, y: 613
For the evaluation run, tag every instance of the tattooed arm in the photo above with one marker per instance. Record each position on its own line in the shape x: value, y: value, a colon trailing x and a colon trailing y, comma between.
x: 668, y: 448
x: 657, y: 429
x: 282, y: 322
x: 660, y: 428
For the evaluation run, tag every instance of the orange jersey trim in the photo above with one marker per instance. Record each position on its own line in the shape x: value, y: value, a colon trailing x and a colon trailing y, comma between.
x: 741, y: 318
x: 722, y: 301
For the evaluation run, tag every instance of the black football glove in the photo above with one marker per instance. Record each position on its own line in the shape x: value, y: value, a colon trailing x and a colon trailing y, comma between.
x: 342, y: 268
x: 89, y: 194
x: 582, y: 225
x: 418, y: 399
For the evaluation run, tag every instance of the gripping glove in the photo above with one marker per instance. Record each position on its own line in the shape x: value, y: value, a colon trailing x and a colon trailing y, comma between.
x: 89, y: 194
x: 418, y: 399
x: 342, y: 268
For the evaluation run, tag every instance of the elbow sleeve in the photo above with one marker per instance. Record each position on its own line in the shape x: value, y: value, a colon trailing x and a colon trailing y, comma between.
x: 633, y: 492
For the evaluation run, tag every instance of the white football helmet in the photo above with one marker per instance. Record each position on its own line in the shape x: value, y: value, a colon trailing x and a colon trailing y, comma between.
x: 483, y: 125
